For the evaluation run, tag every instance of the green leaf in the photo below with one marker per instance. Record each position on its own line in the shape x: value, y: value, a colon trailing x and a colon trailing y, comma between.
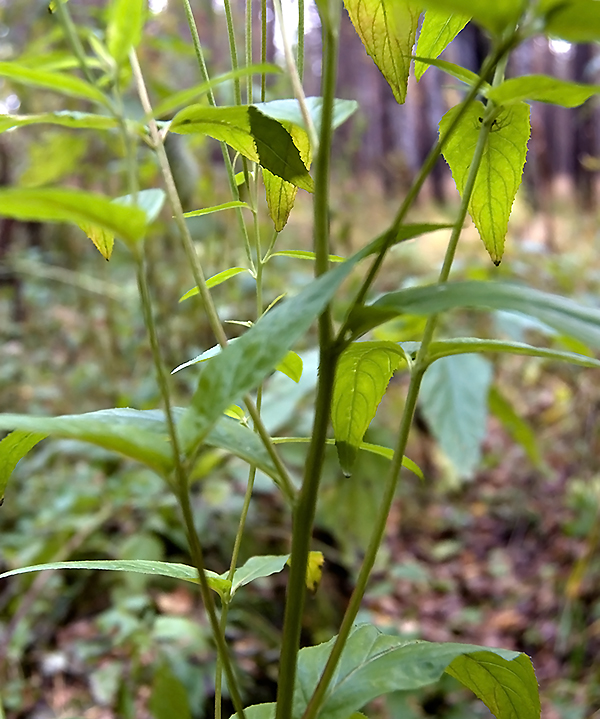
x: 191, y: 94
x: 542, y: 88
x: 288, y: 111
x: 12, y: 449
x: 54, y: 205
x: 214, y: 281
x: 304, y: 255
x: 363, y: 372
x: 244, y: 364
x: 257, y: 567
x: 508, y: 689
x: 457, y: 71
x: 518, y: 428
x: 453, y: 398
x: 124, y: 31
x: 387, y: 29
x: 291, y: 366
x: 217, y: 208
x: 104, y: 240
x: 56, y: 81
x: 437, y: 32
x: 563, y: 315
x: 404, y: 233
x: 501, y: 168
x: 139, y: 566
x: 65, y: 118
x: 573, y: 20
x: 169, y: 697
x: 254, y: 135
x: 494, y: 16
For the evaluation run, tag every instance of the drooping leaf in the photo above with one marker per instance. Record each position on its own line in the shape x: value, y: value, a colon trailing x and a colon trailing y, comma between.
x: 124, y: 31
x: 507, y: 689
x: 251, y: 133
x: 437, y: 32
x: 57, y: 205
x: 214, y: 281
x: 517, y: 427
x: 494, y: 16
x: 64, y: 118
x: 573, y: 20
x: 245, y: 363
x: 169, y: 697
x: 387, y: 29
x: 289, y: 111
x: 454, y: 400
x: 563, y: 315
x: 255, y: 568
x: 217, y: 208
x: 542, y: 88
x: 12, y: 449
x: 55, y: 81
x: 501, y: 168
x: 363, y: 372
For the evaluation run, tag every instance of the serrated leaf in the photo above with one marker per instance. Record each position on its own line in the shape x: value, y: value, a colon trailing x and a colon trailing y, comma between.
x: 563, y: 315
x: 64, y: 118
x: 55, y: 81
x: 453, y: 398
x: 77, y: 206
x: 12, y: 449
x: 251, y: 133
x: 387, y: 29
x: 257, y: 567
x: 518, y: 428
x: 542, y: 88
x: 213, y: 282
x: 291, y: 366
x: 124, y: 31
x: 508, y: 689
x: 363, y: 372
x: 501, y: 168
x: 437, y: 32
x: 494, y: 16
x: 573, y: 20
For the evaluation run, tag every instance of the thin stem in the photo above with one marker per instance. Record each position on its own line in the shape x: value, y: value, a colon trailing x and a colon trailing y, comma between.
x: 304, y: 512
x: 418, y: 371
x: 70, y: 31
x: 233, y: 50
x: 248, y: 45
x: 263, y: 48
x: 300, y: 47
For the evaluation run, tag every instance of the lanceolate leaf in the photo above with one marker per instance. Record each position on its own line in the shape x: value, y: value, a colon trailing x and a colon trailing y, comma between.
x: 50, y: 205
x: 254, y: 135
x: 457, y: 71
x: 563, y: 315
x: 56, y: 81
x: 65, y: 118
x: 437, y: 32
x: 454, y: 401
x: 542, y: 88
x: 495, y: 16
x: 214, y: 281
x: 387, y: 29
x: 124, y: 31
x: 12, y: 449
x: 362, y: 376
x: 501, y: 168
x: 304, y: 255
x: 217, y: 208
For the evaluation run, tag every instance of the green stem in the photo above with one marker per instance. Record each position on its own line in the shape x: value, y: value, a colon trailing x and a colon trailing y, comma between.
x: 418, y: 371
x: 70, y: 31
x: 248, y: 45
x: 304, y: 512
x: 263, y: 48
x: 233, y: 50
x: 300, y: 48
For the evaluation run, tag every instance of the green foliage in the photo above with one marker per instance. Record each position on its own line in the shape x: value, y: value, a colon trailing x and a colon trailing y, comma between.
x: 437, y: 32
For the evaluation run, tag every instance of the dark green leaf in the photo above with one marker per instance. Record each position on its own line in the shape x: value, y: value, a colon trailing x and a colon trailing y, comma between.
x: 542, y: 88
x: 169, y: 698
x: 387, y: 29
x: 12, y: 449
x: 437, y: 32
x: 501, y: 168
x: 454, y: 401
x: 518, y: 428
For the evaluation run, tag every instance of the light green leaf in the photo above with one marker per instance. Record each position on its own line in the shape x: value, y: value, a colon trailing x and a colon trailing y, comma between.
x: 494, y: 16
x: 217, y: 208
x: 457, y: 71
x: 77, y: 206
x: 288, y: 111
x: 65, y: 118
x: 169, y: 697
x: 12, y: 449
x: 192, y: 94
x: 508, y: 689
x: 254, y: 135
x: 243, y: 365
x: 542, y: 88
x: 387, y: 29
x: 404, y: 233
x: 518, y: 428
x: 453, y: 398
x: 437, y: 32
x: 139, y: 566
x: 124, y: 31
x: 214, y: 281
x: 291, y: 366
x: 55, y: 81
x: 304, y: 255
x: 563, y: 315
x: 573, y: 20
x: 104, y: 240
x: 257, y: 567
x: 363, y: 372
x: 501, y: 168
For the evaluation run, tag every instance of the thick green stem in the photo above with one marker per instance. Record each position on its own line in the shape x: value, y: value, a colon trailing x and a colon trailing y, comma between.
x: 304, y: 511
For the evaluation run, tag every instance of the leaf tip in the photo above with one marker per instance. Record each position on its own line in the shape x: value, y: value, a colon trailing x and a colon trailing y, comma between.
x: 346, y: 456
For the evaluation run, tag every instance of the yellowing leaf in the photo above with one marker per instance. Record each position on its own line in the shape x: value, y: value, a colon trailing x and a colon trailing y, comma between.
x: 387, y: 29
x: 314, y: 570
x: 103, y: 239
x: 501, y: 168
